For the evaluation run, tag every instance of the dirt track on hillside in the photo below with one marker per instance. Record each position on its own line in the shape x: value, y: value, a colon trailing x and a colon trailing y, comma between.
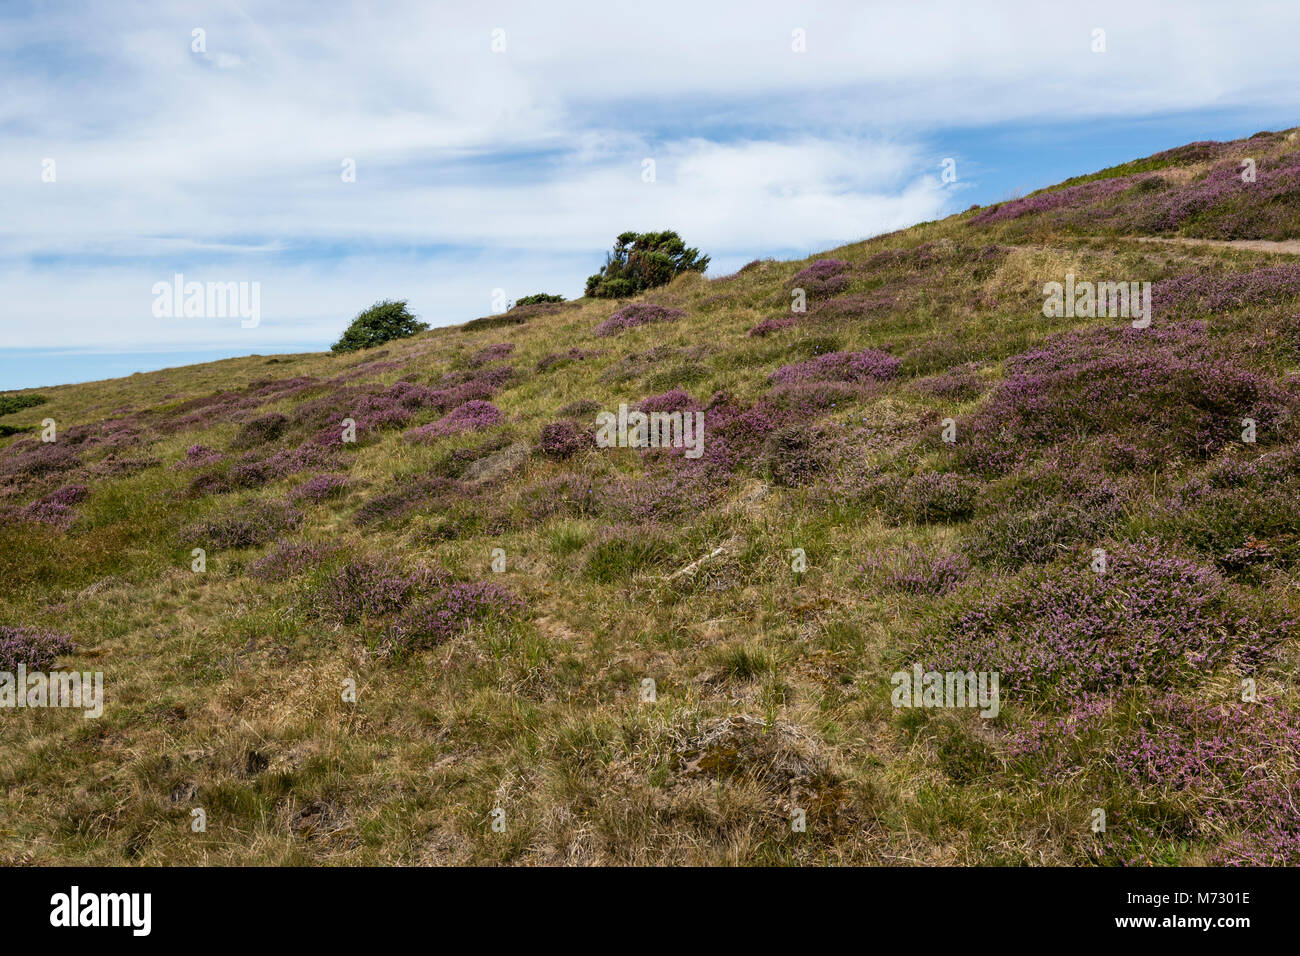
x: 1287, y: 247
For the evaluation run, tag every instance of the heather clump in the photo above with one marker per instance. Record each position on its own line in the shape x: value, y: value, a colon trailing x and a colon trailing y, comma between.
x: 407, y: 497
x: 1243, y: 512
x: 199, y: 456
x: 824, y: 277
x: 446, y: 611
x: 862, y: 367
x: 572, y: 495
x: 246, y: 525
x: 959, y: 384
x: 1172, y: 390
x: 319, y: 488
x: 34, y: 459
x: 1194, y: 294
x: 794, y: 455
x: 34, y: 648
x: 562, y: 440
x: 371, y: 588
x: 1066, y: 630
x: 1175, y: 768
x: 474, y: 415
x: 856, y: 308
x: 814, y: 397
x: 490, y: 353
x: 637, y: 314
x: 1033, y: 520
x: 290, y: 559
x: 768, y: 326
x: 914, y: 571
x: 55, y: 509
x: 675, y: 400
x: 1071, y: 197
x: 258, y: 431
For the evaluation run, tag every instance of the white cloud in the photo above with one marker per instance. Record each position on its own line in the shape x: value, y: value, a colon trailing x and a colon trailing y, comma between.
x: 526, y: 163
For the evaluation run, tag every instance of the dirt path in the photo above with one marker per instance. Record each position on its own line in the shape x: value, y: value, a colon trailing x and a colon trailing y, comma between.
x: 1288, y: 246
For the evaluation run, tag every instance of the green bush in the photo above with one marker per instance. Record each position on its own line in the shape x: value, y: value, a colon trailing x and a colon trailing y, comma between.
x: 643, y: 260
x: 538, y: 299
x: 382, y: 322
x: 10, y: 402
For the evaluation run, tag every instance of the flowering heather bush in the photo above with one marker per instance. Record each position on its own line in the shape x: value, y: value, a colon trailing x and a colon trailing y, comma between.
x: 491, y: 353
x: 638, y: 313
x: 319, y: 488
x: 667, y: 494
x: 822, y: 278
x: 35, y: 648
x: 868, y: 365
x: 1022, y: 525
x: 1198, y: 293
x: 449, y: 610
x: 1170, y: 389
x: 253, y: 523
x: 34, y: 459
x: 1066, y: 631
x: 260, y: 430
x: 960, y: 384
x: 930, y: 496
x: 1228, y: 769
x: 472, y: 416
x: 287, y: 560
x: 1071, y: 196
x: 478, y: 386
x: 54, y: 509
x: 796, y: 454
x: 914, y: 571
x: 923, y: 498
x: 306, y: 457
x: 409, y: 496
x: 372, y: 587
x: 736, y: 438
x: 563, y: 439
x: 560, y: 359
x: 857, y: 307
x: 583, y: 409
x: 672, y: 401
x: 811, y: 398
x: 1243, y: 512
x: 768, y: 326
x: 199, y: 456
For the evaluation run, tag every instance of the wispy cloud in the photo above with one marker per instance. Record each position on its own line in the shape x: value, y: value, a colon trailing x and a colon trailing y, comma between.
x: 478, y: 170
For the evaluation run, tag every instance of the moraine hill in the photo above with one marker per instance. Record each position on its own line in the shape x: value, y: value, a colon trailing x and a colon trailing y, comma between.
x: 632, y: 655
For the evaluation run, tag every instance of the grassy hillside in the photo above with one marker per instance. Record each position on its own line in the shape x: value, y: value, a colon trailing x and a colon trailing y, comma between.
x: 827, y: 537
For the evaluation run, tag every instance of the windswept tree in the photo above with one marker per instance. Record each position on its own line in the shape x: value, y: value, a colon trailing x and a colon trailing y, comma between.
x: 382, y: 322
x: 643, y: 260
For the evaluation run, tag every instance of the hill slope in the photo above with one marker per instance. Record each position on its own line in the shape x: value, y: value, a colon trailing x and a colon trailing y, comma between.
x: 1098, y: 533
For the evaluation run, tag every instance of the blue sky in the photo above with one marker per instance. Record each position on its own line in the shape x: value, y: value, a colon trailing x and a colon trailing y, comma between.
x: 513, y: 169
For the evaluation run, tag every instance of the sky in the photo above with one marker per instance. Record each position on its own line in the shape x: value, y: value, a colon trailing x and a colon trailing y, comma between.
x: 461, y: 155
